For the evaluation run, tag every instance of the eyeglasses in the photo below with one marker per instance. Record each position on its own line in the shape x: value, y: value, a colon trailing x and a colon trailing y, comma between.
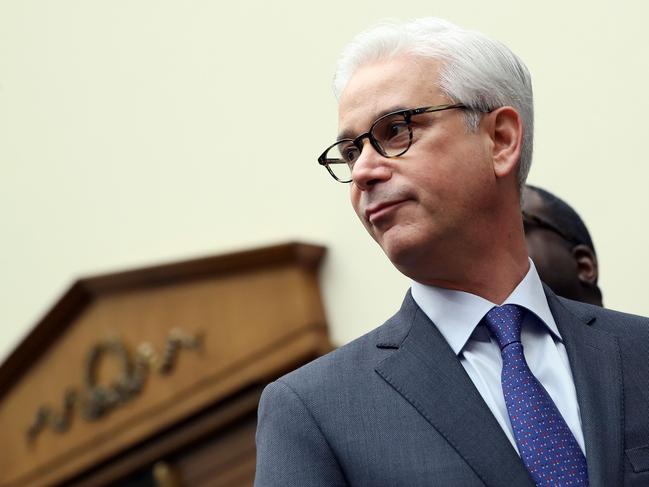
x: 535, y: 221
x: 390, y: 135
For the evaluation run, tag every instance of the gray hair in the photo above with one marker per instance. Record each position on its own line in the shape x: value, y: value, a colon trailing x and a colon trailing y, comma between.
x: 475, y: 70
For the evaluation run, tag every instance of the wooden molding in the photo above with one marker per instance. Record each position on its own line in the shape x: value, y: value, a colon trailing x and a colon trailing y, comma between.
x: 259, y: 313
x: 61, y: 315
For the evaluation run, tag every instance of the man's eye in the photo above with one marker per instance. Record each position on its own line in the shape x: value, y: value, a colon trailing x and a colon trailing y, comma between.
x: 391, y: 129
x: 349, y: 154
x: 396, y: 129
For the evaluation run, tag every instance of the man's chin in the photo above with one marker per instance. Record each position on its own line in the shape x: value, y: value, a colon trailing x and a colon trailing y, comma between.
x: 399, y: 249
x: 413, y: 250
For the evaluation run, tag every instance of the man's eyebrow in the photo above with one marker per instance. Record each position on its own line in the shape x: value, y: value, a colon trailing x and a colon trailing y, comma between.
x: 349, y: 134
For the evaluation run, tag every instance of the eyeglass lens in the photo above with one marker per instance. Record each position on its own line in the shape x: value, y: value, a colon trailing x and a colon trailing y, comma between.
x: 390, y: 136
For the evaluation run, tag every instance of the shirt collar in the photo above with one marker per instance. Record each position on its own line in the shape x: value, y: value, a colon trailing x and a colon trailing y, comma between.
x: 457, y: 313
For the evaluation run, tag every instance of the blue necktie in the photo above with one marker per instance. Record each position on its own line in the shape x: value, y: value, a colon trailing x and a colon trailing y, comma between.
x: 546, y: 444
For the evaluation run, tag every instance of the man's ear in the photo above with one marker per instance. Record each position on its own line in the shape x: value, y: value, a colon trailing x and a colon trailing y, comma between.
x: 587, y: 269
x: 507, y: 136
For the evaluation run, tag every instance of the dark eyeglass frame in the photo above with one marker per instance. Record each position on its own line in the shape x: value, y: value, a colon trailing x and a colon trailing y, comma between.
x: 536, y: 221
x: 358, y: 141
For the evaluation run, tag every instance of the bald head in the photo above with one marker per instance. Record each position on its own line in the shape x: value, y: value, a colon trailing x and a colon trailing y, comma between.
x: 560, y: 246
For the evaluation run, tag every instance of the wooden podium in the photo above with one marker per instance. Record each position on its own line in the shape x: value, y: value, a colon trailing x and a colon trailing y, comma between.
x: 151, y: 377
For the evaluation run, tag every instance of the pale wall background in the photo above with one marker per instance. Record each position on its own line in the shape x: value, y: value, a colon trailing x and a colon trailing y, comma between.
x: 146, y: 131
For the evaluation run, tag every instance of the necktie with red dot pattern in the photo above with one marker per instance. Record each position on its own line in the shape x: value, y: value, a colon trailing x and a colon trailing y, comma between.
x: 546, y: 444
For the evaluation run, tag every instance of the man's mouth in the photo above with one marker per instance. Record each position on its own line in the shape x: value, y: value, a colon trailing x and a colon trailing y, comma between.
x: 381, y: 210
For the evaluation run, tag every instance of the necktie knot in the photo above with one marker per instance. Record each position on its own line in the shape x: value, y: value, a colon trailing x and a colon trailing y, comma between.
x: 505, y: 323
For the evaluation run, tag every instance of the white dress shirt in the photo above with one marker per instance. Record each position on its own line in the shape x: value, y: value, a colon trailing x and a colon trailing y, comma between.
x: 457, y: 315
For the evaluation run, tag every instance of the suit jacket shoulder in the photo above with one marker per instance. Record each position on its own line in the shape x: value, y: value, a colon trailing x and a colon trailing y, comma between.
x: 353, y: 363
x: 615, y: 322
x: 303, y: 416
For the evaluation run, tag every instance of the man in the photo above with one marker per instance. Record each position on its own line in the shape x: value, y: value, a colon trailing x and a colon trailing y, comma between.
x: 560, y: 246
x: 436, y: 139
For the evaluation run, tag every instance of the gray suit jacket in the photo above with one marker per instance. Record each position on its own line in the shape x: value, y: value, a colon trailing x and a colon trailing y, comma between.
x: 396, y: 408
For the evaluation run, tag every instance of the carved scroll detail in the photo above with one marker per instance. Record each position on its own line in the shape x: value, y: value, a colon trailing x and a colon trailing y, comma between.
x: 95, y: 400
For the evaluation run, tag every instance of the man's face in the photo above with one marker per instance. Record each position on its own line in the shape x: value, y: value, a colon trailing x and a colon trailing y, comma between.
x: 550, y: 252
x: 428, y: 205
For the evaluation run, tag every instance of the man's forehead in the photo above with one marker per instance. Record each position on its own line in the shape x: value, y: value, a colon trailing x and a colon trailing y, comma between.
x: 387, y: 85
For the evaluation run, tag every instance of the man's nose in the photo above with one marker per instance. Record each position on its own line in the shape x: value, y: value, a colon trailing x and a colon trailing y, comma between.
x: 370, y: 168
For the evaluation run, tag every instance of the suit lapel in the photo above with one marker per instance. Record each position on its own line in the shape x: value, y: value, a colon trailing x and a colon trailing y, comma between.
x: 594, y: 358
x: 427, y: 373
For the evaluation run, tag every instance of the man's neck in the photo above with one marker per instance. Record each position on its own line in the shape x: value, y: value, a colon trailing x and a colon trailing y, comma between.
x: 489, y: 271
x: 491, y: 283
